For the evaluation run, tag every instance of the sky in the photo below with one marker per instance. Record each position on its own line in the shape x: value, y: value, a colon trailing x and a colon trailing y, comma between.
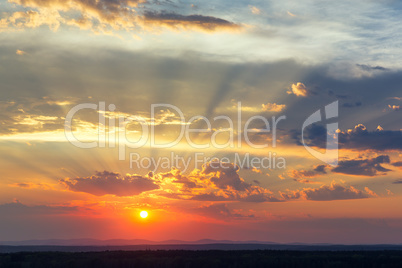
x: 101, y: 100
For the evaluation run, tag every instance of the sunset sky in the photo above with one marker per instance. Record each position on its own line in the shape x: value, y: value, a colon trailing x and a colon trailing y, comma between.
x: 268, y: 59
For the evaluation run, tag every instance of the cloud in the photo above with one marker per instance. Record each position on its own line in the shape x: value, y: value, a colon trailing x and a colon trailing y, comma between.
x: 106, y: 16
x: 256, y: 170
x: 317, y: 171
x: 30, y: 115
x: 225, y: 175
x: 302, y: 174
x: 255, y: 10
x: 17, y: 208
x: 361, y: 138
x: 180, y: 22
x: 367, y: 167
x: 30, y: 185
x: 394, y: 107
x: 101, y: 16
x: 217, y: 211
x: 371, y: 68
x: 351, y: 105
x: 328, y: 193
x: 217, y: 181
x: 298, y: 89
x: 358, y: 138
x: 370, y: 192
x: 104, y: 183
x: 320, y: 169
x: 273, y: 107
x: 306, y: 181
x: 398, y: 181
x: 20, y: 52
x: 397, y: 164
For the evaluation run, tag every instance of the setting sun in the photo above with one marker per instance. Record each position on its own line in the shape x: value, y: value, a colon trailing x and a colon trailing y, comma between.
x: 144, y: 214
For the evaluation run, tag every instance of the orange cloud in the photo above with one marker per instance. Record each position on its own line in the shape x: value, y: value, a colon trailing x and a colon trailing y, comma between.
x: 105, y: 16
x: 317, y: 171
x: 299, y: 90
x: 273, y: 107
x: 394, y: 107
x: 215, y: 182
x: 20, y: 52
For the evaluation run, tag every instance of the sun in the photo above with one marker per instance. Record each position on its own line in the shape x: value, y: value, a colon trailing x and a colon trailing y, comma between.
x: 144, y: 214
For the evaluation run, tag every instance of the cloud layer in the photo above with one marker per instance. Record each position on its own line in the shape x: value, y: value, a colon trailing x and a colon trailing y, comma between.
x: 365, y: 167
x: 328, y: 193
x: 216, y: 182
x: 105, y: 16
x: 358, y: 138
x: 104, y: 183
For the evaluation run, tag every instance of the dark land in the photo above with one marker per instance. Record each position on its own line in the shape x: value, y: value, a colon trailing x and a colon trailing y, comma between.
x: 223, y: 254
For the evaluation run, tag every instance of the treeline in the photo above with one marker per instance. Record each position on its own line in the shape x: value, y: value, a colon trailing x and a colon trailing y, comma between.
x: 204, y: 259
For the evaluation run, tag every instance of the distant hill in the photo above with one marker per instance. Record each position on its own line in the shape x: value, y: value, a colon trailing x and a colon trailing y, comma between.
x: 121, y: 242
x: 93, y: 245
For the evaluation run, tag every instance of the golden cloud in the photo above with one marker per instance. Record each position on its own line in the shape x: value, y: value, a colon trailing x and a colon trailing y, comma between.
x: 298, y: 89
x: 106, y: 16
x: 273, y: 107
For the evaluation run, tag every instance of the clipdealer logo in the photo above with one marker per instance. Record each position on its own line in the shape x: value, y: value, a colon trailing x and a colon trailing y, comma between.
x: 112, y: 133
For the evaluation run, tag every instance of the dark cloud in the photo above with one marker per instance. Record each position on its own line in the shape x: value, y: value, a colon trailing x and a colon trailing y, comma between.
x: 104, y: 183
x: 225, y: 176
x: 314, y: 135
x: 358, y: 138
x: 398, y: 181
x: 320, y: 169
x: 316, y: 171
x: 352, y: 105
x: 175, y: 20
x: 366, y: 167
x: 371, y: 68
x: 361, y: 138
x: 328, y: 193
x: 338, y: 96
x: 397, y: 164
